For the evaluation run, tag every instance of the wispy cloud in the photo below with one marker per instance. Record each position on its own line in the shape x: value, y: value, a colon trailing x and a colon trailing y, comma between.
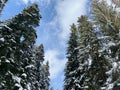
x: 67, y: 12
x: 42, y: 2
x: 56, y: 32
x: 56, y: 64
x: 25, y: 1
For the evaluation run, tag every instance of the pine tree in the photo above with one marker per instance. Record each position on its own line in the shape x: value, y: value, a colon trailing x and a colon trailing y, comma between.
x: 4, y: 62
x: 98, y: 49
x: 107, y: 17
x: 72, y: 63
x: 91, y: 67
x: 84, y: 29
x: 40, y: 73
x: 21, y: 63
x: 18, y: 38
x: 89, y: 72
x: 47, y: 74
x: 2, y: 4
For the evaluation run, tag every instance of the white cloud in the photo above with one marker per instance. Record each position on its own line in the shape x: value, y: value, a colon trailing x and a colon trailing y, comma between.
x: 68, y: 12
x: 56, y: 65
x: 42, y: 2
x: 25, y: 1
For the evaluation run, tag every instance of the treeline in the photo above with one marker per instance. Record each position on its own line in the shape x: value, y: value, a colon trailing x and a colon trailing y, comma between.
x: 93, y: 51
x: 21, y: 62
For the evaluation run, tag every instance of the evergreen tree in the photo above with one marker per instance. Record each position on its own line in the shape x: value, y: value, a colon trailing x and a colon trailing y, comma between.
x: 107, y: 17
x: 85, y: 37
x: 89, y: 71
x: 92, y: 69
x: 98, y: 50
x: 2, y: 4
x: 4, y: 63
x: 47, y: 74
x: 21, y: 63
x: 40, y: 73
x: 18, y: 37
x: 72, y: 63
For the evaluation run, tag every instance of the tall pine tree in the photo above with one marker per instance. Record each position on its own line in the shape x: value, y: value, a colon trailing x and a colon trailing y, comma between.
x: 107, y: 18
x: 40, y: 72
x: 17, y: 58
x: 91, y: 67
x: 72, y: 64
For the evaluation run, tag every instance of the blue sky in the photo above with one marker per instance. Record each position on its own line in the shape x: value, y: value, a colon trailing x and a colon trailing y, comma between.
x: 53, y: 32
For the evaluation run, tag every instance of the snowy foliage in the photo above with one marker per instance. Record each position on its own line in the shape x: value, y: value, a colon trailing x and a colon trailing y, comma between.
x: 98, y: 65
x: 19, y: 67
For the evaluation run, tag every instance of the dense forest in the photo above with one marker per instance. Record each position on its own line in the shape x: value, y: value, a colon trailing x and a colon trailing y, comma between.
x: 93, y: 52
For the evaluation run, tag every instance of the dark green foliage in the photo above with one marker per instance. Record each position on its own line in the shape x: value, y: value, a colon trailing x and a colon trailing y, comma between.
x: 40, y: 72
x: 72, y: 64
x: 108, y: 18
x: 98, y: 48
x: 19, y: 65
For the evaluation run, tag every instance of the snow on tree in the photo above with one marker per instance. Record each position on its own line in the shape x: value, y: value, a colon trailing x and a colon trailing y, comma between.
x: 17, y: 56
x: 2, y: 4
x: 107, y: 17
x: 39, y: 72
x: 47, y: 74
x: 73, y: 63
x: 116, y: 2
x: 85, y: 36
x: 98, y: 55
x: 91, y: 62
